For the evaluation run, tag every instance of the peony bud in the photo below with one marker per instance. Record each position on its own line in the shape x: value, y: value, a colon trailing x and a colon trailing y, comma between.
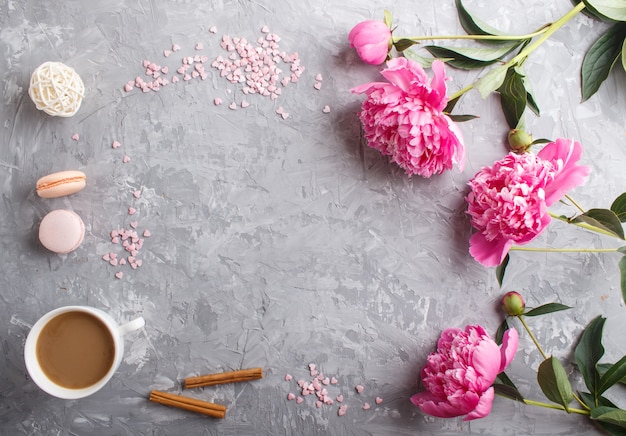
x: 520, y: 141
x: 372, y: 41
x: 513, y: 303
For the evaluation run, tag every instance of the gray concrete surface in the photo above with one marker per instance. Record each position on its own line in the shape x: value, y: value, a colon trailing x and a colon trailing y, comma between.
x: 280, y: 242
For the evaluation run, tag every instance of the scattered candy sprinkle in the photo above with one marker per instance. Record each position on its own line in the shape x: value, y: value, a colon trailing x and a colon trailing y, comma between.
x: 75, y: 137
x: 116, y: 144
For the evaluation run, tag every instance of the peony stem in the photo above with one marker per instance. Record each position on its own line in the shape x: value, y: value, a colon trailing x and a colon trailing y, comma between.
x: 576, y: 205
x: 544, y: 33
x: 555, y: 406
x: 564, y: 250
x: 584, y: 226
x: 476, y: 37
x: 530, y: 333
x: 549, y: 31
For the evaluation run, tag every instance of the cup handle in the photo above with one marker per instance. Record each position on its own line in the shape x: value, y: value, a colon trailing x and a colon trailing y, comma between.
x: 133, y: 325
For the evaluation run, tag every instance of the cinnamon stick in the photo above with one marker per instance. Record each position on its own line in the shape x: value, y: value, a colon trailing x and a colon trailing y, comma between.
x: 186, y: 403
x: 224, y: 377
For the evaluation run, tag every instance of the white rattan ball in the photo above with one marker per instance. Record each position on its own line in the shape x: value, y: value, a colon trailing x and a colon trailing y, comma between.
x: 56, y: 89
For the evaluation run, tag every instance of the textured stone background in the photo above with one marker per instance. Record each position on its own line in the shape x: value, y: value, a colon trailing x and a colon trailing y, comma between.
x: 279, y: 243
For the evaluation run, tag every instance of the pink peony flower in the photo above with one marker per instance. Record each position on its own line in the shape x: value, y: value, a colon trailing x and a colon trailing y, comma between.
x: 372, y: 41
x: 458, y: 378
x: 403, y: 119
x: 508, y: 202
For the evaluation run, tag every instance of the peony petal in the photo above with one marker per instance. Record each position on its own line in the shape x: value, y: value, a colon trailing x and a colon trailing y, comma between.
x: 489, y: 253
x: 486, y: 360
x: 483, y: 407
x: 403, y: 72
x: 510, y: 340
x: 570, y: 175
x: 431, y: 405
x: 374, y: 54
x: 438, y: 84
x: 368, y: 32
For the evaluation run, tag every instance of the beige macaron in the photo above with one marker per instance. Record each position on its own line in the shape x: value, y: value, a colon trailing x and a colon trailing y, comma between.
x: 61, y: 183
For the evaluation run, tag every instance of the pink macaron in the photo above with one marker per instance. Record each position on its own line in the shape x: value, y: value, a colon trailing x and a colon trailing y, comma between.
x: 60, y: 184
x: 61, y: 231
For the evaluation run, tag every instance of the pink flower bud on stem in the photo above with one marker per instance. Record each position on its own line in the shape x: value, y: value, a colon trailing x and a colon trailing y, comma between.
x: 513, y: 303
x: 520, y: 141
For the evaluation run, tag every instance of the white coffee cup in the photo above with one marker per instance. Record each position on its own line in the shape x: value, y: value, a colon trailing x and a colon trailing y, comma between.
x: 36, y: 371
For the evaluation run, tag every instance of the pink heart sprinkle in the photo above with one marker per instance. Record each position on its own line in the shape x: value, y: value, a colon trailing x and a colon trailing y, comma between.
x: 115, y: 240
x: 318, y: 404
x: 199, y: 46
x: 175, y: 47
x: 126, y: 159
x: 299, y: 400
x: 213, y: 29
x: 113, y: 262
x: 75, y: 137
x: 340, y: 398
x: 133, y: 224
x: 279, y: 110
x: 265, y: 29
x: 378, y: 400
x: 333, y: 381
x: 137, y: 194
x: 116, y: 144
x: 147, y: 233
x: 131, y: 259
x: 131, y: 211
x: 326, y: 109
x: 119, y: 275
x: 106, y: 258
x: 291, y: 396
x: 288, y: 377
x: 359, y: 388
x: 245, y: 104
x: 175, y: 79
x: 165, y: 70
x: 342, y: 410
x: 326, y: 381
x: 139, y: 262
x: 285, y: 115
x: 122, y: 261
x: 319, y: 77
x: 318, y: 85
x: 217, y: 101
x: 366, y: 406
x: 128, y: 87
x: 233, y: 106
x: 113, y: 255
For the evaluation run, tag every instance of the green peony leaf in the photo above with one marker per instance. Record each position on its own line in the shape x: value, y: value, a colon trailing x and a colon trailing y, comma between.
x: 468, y: 58
x: 462, y: 118
x: 388, y: 18
x: 600, y: 59
x: 591, y: 13
x: 513, y: 97
x: 624, y: 55
x: 611, y: 415
x: 491, y: 81
x: 610, y: 9
x: 588, y: 352
x: 622, y: 274
x: 504, y: 326
x: 603, y: 219
x: 474, y: 26
x: 501, y: 269
x: 532, y: 104
x: 547, y: 308
x: 613, y: 375
x: 425, y: 62
x: 404, y: 43
x: 619, y: 207
x: 602, y: 402
x: 506, y: 391
x: 553, y: 381
x: 604, y: 367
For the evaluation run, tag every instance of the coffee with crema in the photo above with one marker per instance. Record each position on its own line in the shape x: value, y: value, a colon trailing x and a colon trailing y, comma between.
x: 75, y: 350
